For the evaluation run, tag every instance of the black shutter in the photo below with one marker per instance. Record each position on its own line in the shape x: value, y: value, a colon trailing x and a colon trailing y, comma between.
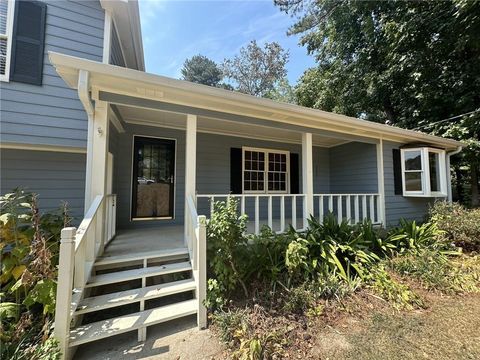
x: 294, y: 174
x: 28, y: 42
x: 236, y: 170
x: 397, y: 172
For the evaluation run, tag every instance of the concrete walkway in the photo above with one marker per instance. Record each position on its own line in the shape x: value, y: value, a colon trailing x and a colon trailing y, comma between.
x: 178, y: 340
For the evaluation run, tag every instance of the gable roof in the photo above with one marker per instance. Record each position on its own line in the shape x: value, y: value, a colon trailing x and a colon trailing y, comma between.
x: 138, y: 84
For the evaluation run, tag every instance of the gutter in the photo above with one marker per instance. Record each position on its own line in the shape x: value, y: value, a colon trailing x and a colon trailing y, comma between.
x: 449, y: 177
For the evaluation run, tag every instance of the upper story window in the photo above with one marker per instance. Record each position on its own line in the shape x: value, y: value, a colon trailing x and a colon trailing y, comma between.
x: 423, y: 172
x: 6, y: 27
x: 265, y: 170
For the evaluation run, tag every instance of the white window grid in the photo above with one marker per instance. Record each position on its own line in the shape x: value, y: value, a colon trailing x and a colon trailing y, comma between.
x: 265, y: 167
x: 6, y: 29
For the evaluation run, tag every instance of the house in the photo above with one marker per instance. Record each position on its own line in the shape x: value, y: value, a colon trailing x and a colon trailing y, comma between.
x: 140, y: 157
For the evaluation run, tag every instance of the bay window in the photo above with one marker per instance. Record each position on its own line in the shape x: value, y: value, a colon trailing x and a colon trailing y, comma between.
x: 423, y: 172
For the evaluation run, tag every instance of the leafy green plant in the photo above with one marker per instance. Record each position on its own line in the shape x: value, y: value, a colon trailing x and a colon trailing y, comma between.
x: 410, y: 236
x: 226, y: 246
x: 398, y: 294
x: 460, y: 225
x: 29, y: 255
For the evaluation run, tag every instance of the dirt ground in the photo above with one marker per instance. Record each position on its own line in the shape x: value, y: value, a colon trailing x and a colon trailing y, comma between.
x: 448, y: 329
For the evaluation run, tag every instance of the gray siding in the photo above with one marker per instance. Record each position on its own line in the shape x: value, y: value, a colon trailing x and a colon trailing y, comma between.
x: 55, y: 176
x: 353, y: 168
x: 52, y: 114
x: 398, y: 206
x: 116, y: 55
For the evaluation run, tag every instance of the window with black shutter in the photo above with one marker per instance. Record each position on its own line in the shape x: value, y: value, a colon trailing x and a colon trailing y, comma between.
x: 28, y: 42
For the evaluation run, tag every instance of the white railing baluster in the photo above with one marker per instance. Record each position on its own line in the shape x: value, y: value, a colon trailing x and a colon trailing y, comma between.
x: 270, y: 221
x: 330, y: 203
x: 282, y: 213
x: 339, y: 209
x: 377, y: 218
x: 357, y: 209
x: 372, y: 212
x: 212, y: 203
x: 257, y: 215
x: 320, y: 209
x: 348, y: 205
x: 294, y: 211
x: 242, y: 205
x: 364, y: 207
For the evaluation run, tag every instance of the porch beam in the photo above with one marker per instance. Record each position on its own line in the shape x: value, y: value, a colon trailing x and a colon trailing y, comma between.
x: 381, y: 183
x: 190, y: 163
x: 307, y: 175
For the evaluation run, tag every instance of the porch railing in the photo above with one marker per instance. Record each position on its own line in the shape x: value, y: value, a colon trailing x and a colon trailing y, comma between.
x: 275, y: 210
x: 352, y: 207
x: 78, y: 252
x: 196, y: 238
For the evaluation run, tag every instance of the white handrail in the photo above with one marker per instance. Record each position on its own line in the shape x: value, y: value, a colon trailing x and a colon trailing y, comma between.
x: 79, y: 249
x: 197, y: 244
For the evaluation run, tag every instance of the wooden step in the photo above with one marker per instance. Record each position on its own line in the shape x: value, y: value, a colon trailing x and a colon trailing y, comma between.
x: 120, y: 276
x: 102, y: 329
x: 169, y: 253
x: 102, y: 302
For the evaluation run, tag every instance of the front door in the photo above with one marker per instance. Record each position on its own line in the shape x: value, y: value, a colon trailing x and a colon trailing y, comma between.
x: 153, y: 178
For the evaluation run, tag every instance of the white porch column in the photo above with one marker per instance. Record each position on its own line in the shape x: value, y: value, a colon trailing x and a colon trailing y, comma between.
x: 307, y: 175
x: 96, y: 172
x: 381, y: 183
x: 190, y: 164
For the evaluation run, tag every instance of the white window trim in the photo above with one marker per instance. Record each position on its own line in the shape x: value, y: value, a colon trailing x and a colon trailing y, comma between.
x: 425, y: 171
x: 9, y: 29
x: 265, y: 178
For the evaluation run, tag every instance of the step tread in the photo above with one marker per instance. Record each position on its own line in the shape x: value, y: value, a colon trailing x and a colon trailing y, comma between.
x: 127, y: 275
x: 102, y: 329
x: 120, y: 298
x: 108, y: 260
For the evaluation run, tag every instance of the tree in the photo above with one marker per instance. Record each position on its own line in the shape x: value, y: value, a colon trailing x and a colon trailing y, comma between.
x: 413, y: 63
x: 282, y: 91
x: 255, y: 70
x: 202, y: 70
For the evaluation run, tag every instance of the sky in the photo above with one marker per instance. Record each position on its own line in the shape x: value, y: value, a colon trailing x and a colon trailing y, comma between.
x: 174, y: 30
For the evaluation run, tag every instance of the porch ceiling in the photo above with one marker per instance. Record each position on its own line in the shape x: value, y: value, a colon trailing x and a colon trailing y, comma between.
x: 206, y: 124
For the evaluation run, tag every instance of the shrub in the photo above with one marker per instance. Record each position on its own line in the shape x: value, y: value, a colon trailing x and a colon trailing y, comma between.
x: 29, y: 256
x: 461, y: 225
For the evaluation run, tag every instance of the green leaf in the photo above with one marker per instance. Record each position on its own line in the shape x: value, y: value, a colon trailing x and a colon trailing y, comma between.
x: 9, y: 310
x: 43, y: 293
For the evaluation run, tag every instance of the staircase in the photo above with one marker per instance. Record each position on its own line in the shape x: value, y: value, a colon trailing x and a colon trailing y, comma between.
x: 159, y: 288
x: 99, y: 296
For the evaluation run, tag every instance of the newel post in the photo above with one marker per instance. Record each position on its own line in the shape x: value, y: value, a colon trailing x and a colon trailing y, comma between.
x: 202, y: 271
x: 64, y: 289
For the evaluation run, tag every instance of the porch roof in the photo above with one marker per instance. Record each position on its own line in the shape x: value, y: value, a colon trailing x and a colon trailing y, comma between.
x: 143, y: 90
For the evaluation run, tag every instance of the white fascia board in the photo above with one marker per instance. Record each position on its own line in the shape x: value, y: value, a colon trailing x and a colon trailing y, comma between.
x: 144, y: 85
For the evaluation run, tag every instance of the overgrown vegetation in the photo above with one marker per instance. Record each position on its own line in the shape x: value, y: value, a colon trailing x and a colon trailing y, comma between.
x: 29, y: 255
x: 265, y: 279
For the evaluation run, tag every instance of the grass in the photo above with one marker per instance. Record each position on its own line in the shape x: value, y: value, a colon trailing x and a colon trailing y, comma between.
x: 448, y: 330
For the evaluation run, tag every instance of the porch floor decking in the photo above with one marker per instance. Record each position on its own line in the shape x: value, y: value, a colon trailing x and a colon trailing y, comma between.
x: 130, y: 242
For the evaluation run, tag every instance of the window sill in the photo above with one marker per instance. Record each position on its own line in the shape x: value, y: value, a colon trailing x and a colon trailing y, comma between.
x: 432, y: 195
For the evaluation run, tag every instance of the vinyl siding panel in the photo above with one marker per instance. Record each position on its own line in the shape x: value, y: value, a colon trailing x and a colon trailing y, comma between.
x: 397, y: 206
x: 213, y: 168
x: 55, y: 176
x: 353, y: 168
x: 51, y: 114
